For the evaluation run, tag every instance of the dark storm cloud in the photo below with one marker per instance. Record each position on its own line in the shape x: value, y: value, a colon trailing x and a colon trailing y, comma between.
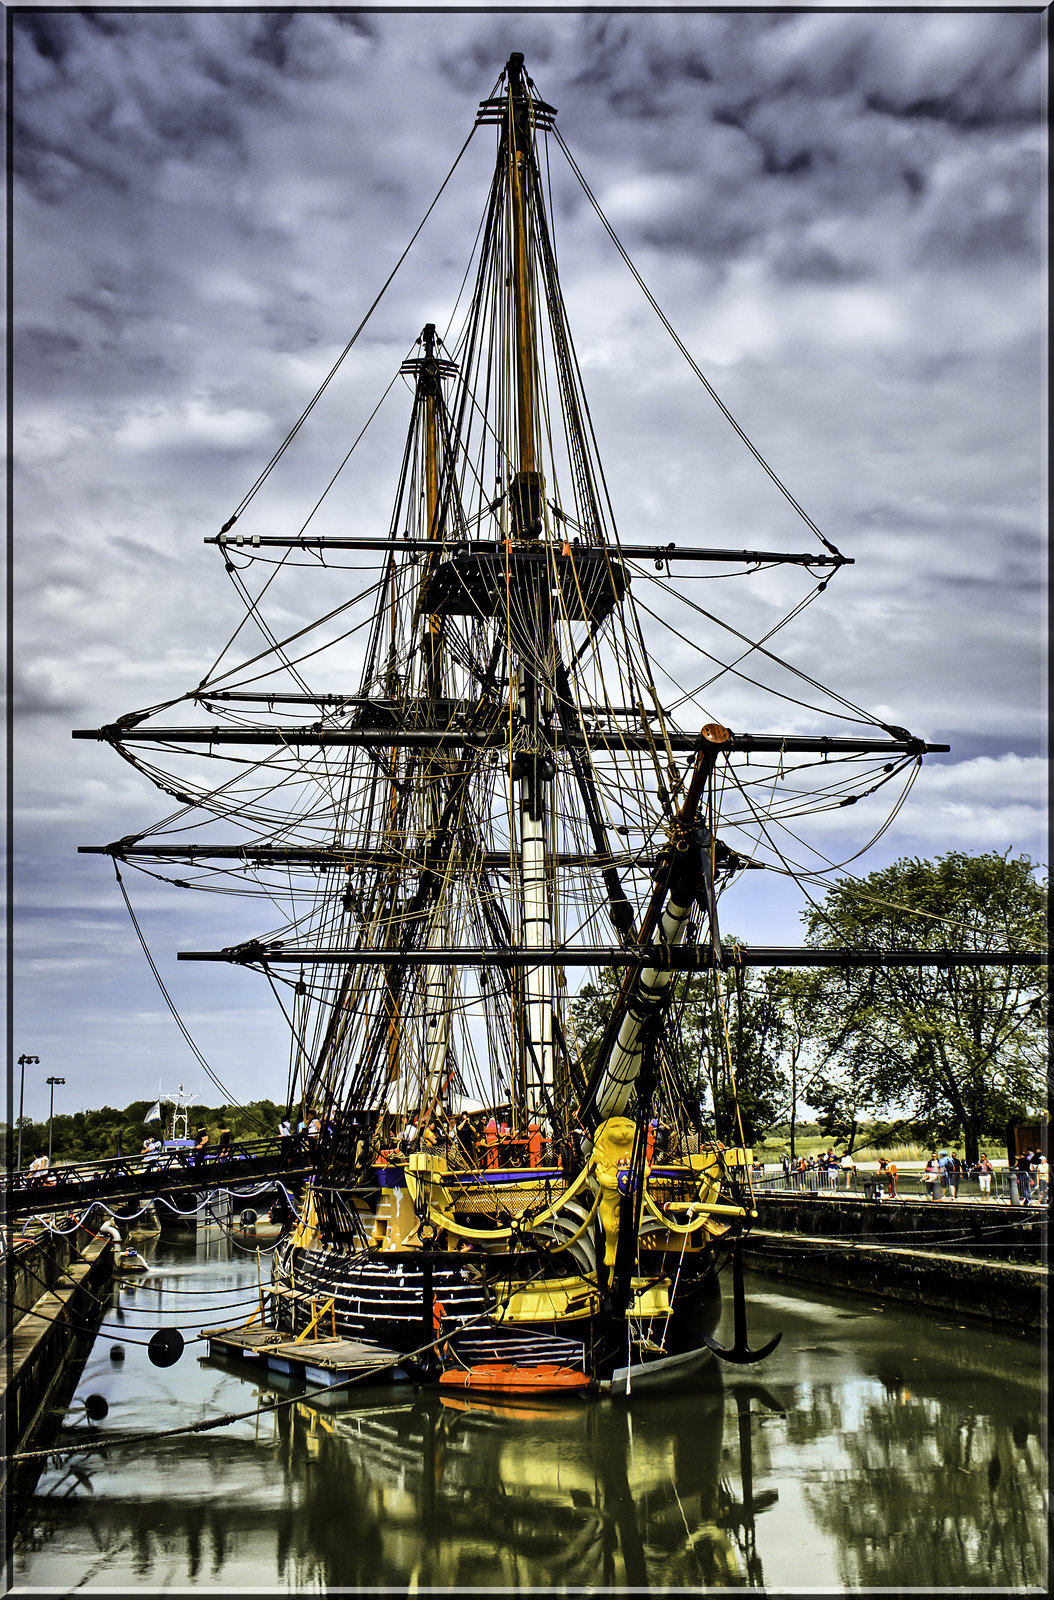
x: 842, y: 213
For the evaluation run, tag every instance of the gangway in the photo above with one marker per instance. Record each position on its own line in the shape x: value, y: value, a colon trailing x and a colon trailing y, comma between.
x: 74, y: 1186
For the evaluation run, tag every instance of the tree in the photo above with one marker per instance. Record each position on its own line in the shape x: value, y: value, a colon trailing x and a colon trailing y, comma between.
x: 959, y: 1048
x: 799, y: 993
x: 741, y: 1020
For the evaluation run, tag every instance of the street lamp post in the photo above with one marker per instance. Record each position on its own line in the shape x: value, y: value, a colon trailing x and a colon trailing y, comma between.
x: 51, y: 1113
x: 23, y: 1062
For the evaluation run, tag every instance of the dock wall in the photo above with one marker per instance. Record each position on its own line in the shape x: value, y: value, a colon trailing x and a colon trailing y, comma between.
x: 44, y: 1337
x: 969, y: 1227
x: 953, y: 1259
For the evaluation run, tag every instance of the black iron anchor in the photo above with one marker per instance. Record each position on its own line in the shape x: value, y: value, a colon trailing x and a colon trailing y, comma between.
x: 740, y: 1352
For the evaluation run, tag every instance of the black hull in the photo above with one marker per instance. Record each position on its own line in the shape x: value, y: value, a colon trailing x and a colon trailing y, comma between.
x: 390, y: 1300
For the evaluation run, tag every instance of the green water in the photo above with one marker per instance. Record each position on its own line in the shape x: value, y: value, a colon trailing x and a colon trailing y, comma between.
x: 877, y: 1447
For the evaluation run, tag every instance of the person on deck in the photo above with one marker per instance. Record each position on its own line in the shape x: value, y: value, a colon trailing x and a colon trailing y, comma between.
x: 223, y: 1150
x: 201, y: 1147
x: 465, y: 1136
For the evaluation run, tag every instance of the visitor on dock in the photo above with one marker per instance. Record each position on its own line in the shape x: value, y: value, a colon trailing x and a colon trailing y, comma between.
x: 1042, y: 1179
x: 848, y: 1166
x: 983, y: 1170
x: 956, y: 1173
x: 932, y: 1177
x: 944, y: 1167
x: 892, y: 1170
x: 1024, y: 1176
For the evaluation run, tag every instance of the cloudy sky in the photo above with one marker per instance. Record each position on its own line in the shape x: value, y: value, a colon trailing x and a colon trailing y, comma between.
x: 841, y: 213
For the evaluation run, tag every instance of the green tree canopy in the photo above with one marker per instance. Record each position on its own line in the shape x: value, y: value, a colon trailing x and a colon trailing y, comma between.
x: 738, y: 1018
x: 956, y: 1047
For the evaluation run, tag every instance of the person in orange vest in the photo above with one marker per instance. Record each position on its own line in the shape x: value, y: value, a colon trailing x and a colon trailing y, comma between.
x: 490, y: 1134
x: 438, y: 1315
x: 534, y: 1144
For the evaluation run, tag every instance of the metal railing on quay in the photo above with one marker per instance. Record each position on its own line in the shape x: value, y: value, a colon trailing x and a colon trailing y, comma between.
x: 163, y: 1161
x: 161, y: 1175
x: 866, y: 1183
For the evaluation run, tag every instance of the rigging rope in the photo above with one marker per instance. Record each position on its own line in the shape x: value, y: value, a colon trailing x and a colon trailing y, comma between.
x: 229, y: 1098
x: 316, y: 397
x: 693, y: 364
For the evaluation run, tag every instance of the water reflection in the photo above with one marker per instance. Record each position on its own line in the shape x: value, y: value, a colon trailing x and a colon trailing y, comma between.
x: 939, y: 1489
x: 461, y: 1493
x: 877, y: 1451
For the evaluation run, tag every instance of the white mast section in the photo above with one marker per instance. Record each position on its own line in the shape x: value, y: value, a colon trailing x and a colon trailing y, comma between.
x: 438, y: 979
x: 528, y: 512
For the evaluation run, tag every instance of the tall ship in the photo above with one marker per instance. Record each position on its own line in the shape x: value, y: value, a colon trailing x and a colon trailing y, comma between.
x: 477, y: 768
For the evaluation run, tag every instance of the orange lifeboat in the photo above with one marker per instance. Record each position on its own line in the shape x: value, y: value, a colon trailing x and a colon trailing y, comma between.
x: 506, y: 1377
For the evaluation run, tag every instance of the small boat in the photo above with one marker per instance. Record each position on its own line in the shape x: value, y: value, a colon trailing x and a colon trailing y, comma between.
x: 508, y: 1377
x: 130, y: 1261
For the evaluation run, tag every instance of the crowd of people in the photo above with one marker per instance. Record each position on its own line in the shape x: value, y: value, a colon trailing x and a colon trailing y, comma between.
x: 944, y: 1176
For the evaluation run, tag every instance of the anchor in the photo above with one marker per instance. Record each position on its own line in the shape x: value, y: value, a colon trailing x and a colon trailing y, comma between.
x: 740, y: 1352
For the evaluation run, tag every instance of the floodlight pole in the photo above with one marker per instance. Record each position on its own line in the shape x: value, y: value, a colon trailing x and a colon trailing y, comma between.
x: 51, y: 1113
x: 23, y: 1062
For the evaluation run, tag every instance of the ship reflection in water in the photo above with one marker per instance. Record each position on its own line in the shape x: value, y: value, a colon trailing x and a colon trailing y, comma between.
x: 468, y: 1493
x: 879, y: 1448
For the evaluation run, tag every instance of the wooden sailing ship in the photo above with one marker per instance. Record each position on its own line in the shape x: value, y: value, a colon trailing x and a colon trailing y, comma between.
x: 468, y: 793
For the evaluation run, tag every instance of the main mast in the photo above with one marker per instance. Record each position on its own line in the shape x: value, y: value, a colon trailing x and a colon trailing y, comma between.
x: 529, y: 772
